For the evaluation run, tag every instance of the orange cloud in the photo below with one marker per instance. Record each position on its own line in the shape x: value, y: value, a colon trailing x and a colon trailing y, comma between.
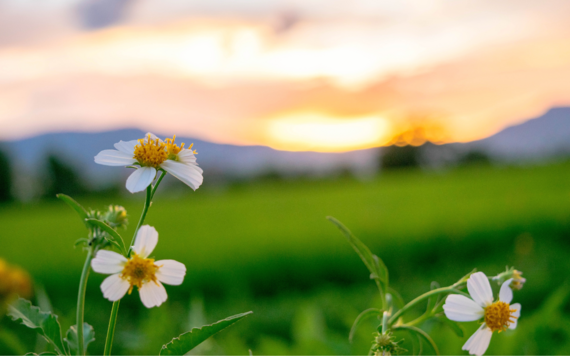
x: 327, y: 85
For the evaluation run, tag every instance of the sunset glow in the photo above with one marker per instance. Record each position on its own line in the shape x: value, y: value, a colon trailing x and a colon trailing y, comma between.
x: 316, y: 132
x: 290, y: 75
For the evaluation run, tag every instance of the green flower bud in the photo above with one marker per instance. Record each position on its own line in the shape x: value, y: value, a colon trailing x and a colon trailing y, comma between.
x: 518, y: 280
x: 116, y: 216
x: 384, y: 345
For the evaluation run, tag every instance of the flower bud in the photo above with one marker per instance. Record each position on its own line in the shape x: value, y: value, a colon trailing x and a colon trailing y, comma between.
x: 116, y: 216
x: 384, y: 345
x: 518, y: 280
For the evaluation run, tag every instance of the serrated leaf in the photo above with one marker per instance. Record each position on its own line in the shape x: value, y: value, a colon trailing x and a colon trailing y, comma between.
x: 75, y: 206
x: 377, y: 268
x: 111, y: 232
x: 72, y: 341
x: 46, y: 323
x: 185, y: 342
x: 368, y: 313
x: 457, y: 329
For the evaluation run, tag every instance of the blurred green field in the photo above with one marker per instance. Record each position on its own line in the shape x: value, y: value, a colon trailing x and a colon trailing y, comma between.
x: 268, y: 248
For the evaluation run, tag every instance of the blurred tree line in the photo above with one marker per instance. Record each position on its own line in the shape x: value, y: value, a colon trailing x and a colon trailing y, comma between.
x: 60, y: 177
x: 420, y: 142
x: 5, y: 178
x: 57, y: 177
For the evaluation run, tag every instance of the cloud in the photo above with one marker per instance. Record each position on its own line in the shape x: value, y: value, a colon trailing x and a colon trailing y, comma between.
x: 197, y: 69
x: 94, y: 14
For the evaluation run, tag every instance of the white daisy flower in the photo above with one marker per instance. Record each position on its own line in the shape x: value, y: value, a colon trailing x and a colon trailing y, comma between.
x: 139, y: 270
x: 499, y: 316
x: 150, y: 154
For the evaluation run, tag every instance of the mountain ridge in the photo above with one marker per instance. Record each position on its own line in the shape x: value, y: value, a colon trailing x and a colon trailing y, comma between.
x: 539, y: 138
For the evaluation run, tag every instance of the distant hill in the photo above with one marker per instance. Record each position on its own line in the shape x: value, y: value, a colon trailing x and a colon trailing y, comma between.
x: 536, y: 139
x: 80, y: 148
x: 539, y: 138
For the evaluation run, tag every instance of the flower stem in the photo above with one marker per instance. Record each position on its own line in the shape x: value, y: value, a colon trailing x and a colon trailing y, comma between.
x: 414, y: 302
x: 162, y: 174
x: 150, y: 190
x: 385, y: 317
x: 111, y: 330
x: 81, y: 301
x: 147, y: 201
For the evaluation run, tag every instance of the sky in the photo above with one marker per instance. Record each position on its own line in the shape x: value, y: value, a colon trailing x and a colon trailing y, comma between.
x: 294, y: 75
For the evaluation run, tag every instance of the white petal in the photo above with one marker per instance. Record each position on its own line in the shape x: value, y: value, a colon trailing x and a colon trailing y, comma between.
x: 152, y: 294
x: 506, y: 293
x: 187, y: 156
x: 114, y: 287
x: 461, y: 308
x: 140, y: 179
x: 114, y: 158
x: 479, y: 341
x: 516, y: 314
x: 108, y: 262
x: 170, y: 272
x: 189, y: 174
x: 127, y: 147
x: 480, y: 289
x: 147, y: 238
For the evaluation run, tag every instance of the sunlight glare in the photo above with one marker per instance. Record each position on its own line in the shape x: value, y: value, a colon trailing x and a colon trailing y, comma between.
x: 319, y: 132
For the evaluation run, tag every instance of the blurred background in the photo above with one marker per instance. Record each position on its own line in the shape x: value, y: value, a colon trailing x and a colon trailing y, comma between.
x: 437, y: 131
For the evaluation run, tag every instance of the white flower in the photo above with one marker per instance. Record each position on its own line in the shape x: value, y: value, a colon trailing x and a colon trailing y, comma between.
x: 150, y: 154
x: 498, y: 315
x: 139, y: 270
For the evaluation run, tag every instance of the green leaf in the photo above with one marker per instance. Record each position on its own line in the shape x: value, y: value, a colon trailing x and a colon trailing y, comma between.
x: 185, y: 342
x: 75, y: 206
x: 109, y: 230
x: 43, y: 353
x: 360, y: 318
x: 396, y: 298
x: 432, y: 301
x: 458, y: 329
x: 377, y: 268
x: 46, y: 323
x: 420, y: 333
x: 71, y: 338
x: 81, y: 241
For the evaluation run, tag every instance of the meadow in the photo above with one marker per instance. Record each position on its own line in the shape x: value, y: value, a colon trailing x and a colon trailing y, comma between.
x: 267, y: 247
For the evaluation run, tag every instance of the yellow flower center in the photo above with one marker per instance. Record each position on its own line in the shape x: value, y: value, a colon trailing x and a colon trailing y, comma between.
x: 154, y: 152
x: 139, y: 270
x: 498, y: 316
x: 172, y: 149
x: 150, y: 154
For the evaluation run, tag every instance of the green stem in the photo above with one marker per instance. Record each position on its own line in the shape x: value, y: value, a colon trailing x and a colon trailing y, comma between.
x: 150, y: 190
x: 162, y: 174
x: 421, y: 319
x: 421, y: 333
x: 111, y: 330
x: 414, y: 302
x: 81, y: 301
x: 147, y: 201
x: 385, y: 317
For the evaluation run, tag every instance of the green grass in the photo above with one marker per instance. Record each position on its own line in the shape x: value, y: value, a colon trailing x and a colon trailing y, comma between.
x: 261, y: 246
